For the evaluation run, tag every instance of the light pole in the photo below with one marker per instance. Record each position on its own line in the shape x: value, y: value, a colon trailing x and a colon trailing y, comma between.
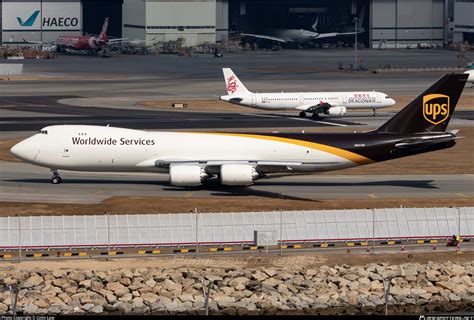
x: 386, y: 289
x: 356, y: 65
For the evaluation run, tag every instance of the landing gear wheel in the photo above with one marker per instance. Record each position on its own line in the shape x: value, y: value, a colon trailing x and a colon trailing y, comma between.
x: 375, y: 113
x: 302, y: 114
x: 56, y: 180
x: 315, y: 116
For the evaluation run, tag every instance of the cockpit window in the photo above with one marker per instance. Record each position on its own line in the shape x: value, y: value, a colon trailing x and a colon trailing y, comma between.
x: 43, y: 132
x: 387, y: 97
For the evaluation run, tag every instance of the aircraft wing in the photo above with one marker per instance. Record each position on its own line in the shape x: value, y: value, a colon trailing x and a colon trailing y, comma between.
x: 314, y: 106
x: 214, y: 165
x: 118, y: 40
x: 335, y: 34
x: 39, y: 42
x: 263, y: 36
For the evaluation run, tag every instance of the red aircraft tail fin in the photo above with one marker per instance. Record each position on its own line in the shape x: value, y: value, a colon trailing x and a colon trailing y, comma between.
x: 103, y: 33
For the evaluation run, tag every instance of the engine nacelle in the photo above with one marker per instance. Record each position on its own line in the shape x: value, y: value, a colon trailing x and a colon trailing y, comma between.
x: 336, y: 111
x: 238, y: 174
x: 187, y: 176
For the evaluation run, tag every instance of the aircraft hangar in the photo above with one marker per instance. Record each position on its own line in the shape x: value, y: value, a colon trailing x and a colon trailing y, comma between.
x: 387, y: 23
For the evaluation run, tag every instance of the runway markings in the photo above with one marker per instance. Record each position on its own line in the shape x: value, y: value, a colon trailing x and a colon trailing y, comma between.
x: 373, y: 196
x: 189, y: 194
x: 332, y: 123
x: 462, y: 195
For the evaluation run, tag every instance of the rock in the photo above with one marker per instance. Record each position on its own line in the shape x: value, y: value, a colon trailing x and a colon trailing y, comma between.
x: 259, y: 276
x: 86, y: 284
x: 270, y: 272
x: 376, y: 285
x: 417, y: 292
x: 126, y: 281
x: 30, y: 309
x: 121, y: 291
x: 213, y: 278
x: 322, y: 299
x: 426, y: 296
x: 87, y: 306
x: 351, y: 277
x: 114, y: 286
x: 97, y: 310
x: 137, y: 303
x: 96, y: 286
x: 397, y: 291
x: 171, y: 285
x: 454, y: 270
x: 77, y: 276
x: 149, y: 298
x: 470, y: 290
x: 445, y: 285
x: 123, y: 307
x: 3, y: 308
x: 41, y: 303
x: 224, y: 301
x: 454, y: 298
x: 242, y: 281
x: 432, y: 275
x: 272, y: 282
x: 33, y: 281
x: 150, y: 283
x: 111, y: 298
x: 254, y: 285
x: 126, y: 297
x: 59, y: 273
x: 185, y: 297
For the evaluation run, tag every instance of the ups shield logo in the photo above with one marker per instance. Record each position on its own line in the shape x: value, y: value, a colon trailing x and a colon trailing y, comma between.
x: 436, y: 108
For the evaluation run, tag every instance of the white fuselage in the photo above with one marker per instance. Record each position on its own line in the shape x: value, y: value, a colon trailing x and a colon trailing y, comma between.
x: 108, y: 149
x: 304, y: 100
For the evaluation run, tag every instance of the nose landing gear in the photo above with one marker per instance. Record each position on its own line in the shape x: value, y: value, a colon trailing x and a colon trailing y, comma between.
x: 56, y: 179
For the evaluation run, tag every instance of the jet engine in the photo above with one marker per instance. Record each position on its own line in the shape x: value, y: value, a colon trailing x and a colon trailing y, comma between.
x: 336, y: 111
x: 238, y: 174
x: 187, y: 176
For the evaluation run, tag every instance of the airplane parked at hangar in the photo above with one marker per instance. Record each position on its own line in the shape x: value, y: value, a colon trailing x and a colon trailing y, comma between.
x: 81, y: 44
x: 329, y: 103
x: 238, y: 159
x: 301, y: 37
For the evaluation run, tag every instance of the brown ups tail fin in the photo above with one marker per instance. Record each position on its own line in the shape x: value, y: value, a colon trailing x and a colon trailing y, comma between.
x: 430, y: 111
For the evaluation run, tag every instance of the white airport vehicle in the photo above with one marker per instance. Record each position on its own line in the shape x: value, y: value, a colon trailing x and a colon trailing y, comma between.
x: 329, y: 103
x: 238, y: 159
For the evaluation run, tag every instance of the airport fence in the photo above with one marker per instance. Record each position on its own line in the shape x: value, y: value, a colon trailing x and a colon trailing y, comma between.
x: 242, y: 229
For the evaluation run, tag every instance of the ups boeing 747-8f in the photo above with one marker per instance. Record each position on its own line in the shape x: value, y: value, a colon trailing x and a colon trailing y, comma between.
x: 238, y: 159
x: 330, y: 103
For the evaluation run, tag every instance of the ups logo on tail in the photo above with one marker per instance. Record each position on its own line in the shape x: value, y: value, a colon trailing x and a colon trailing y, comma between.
x: 436, y: 108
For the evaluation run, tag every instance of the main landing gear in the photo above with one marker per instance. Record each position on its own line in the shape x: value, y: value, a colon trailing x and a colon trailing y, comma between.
x: 375, y: 112
x: 56, y: 179
x: 314, y: 115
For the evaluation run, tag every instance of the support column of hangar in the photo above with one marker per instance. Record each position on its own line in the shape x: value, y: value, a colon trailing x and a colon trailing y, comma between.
x: 196, y: 21
x: 407, y: 23
x: 39, y: 20
x: 462, y: 22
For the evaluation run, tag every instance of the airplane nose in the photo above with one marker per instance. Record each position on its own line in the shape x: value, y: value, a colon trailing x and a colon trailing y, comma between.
x: 392, y: 102
x: 21, y: 151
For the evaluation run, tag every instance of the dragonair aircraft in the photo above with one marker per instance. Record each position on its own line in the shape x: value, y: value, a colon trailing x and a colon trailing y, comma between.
x: 329, y: 103
x: 76, y: 44
x: 238, y: 159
